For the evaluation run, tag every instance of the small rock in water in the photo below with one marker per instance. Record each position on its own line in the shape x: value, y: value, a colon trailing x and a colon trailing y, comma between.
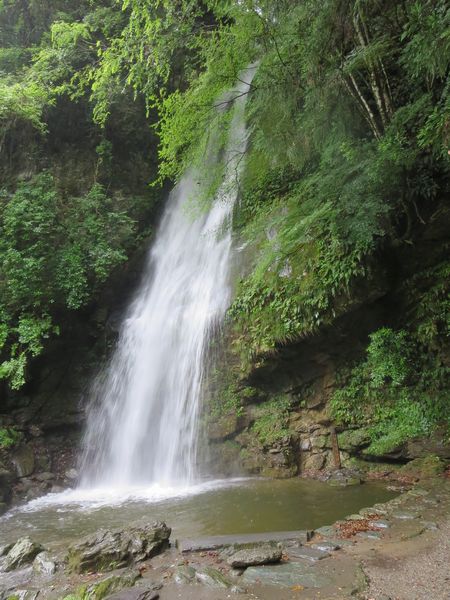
x: 43, y: 564
x: 22, y: 553
x: 260, y: 554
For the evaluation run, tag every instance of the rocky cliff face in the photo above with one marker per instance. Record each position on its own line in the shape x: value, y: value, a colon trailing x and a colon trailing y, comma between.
x: 283, y: 424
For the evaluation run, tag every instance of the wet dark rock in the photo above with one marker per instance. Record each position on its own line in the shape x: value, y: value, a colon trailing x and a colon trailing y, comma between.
x: 260, y: 554
x: 45, y: 476
x: 23, y: 460
x: 106, y: 550
x: 21, y: 554
x: 5, y: 548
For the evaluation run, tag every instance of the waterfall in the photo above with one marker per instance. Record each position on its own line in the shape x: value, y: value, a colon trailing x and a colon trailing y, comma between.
x: 142, y: 427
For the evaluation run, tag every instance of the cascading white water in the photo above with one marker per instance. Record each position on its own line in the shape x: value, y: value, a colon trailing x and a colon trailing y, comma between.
x: 143, y: 424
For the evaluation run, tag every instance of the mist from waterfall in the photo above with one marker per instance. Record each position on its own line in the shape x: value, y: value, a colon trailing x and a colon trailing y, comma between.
x: 143, y: 421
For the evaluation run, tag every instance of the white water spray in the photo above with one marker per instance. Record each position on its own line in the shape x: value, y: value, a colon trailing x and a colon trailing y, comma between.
x: 143, y: 425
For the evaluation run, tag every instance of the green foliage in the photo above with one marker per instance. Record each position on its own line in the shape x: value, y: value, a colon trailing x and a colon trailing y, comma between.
x: 55, y: 251
x: 397, y: 392
x: 8, y: 437
x: 272, y: 421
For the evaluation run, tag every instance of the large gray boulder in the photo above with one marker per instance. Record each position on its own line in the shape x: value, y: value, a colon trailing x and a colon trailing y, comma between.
x: 106, y: 550
x: 22, y: 553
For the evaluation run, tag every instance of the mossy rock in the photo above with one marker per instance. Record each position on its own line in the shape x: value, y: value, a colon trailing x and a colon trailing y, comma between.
x: 424, y: 468
x: 353, y: 439
x: 105, y: 587
x: 224, y: 427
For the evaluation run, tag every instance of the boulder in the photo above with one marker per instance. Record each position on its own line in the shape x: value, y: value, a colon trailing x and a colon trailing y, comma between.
x: 106, y: 550
x: 259, y: 554
x: 23, y: 460
x: 6, y: 478
x: 22, y: 553
x: 43, y: 564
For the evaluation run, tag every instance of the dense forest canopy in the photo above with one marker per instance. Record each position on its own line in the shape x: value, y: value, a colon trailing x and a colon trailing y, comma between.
x: 348, y: 116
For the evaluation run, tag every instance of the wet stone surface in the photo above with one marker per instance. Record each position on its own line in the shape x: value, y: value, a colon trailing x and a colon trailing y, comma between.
x: 286, y: 575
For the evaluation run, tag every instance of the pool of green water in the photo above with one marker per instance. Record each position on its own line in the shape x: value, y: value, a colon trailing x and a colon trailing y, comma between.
x: 244, y: 506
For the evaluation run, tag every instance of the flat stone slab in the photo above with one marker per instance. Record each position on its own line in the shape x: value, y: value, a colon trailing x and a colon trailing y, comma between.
x: 286, y: 575
x: 380, y: 524
x: 369, y: 535
x: 405, y: 516
x: 326, y: 531
x: 259, y: 554
x: 308, y: 553
x: 326, y: 546
x: 221, y: 541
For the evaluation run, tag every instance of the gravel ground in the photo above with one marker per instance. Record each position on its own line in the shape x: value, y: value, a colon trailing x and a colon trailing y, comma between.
x: 421, y: 574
